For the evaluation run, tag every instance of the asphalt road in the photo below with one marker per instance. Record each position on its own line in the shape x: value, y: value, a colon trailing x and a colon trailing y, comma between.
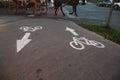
x: 92, y: 14
x: 48, y: 54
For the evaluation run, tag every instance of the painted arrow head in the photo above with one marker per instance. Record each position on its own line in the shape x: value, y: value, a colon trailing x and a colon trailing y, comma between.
x: 23, y: 42
x: 72, y: 31
x: 69, y: 29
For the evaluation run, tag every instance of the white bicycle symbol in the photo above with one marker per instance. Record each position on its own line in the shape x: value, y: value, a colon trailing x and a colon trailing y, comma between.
x: 31, y: 29
x: 77, y: 43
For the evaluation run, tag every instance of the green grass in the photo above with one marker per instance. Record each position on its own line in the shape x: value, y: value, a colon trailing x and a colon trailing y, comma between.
x: 107, y: 32
x: 94, y: 1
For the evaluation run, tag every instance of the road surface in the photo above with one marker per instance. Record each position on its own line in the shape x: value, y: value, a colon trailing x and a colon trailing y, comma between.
x: 44, y: 49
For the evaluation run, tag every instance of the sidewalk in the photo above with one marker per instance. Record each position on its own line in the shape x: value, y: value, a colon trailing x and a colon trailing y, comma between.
x: 50, y: 13
x: 7, y: 18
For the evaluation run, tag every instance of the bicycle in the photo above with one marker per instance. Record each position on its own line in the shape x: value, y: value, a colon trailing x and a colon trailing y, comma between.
x: 77, y: 43
x: 41, y: 7
x: 31, y: 29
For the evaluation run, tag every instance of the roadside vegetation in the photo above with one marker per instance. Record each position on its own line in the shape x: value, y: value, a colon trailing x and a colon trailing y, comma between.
x: 95, y: 1
x: 107, y: 32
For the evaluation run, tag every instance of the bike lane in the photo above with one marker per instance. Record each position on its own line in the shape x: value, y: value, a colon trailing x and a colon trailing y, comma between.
x: 43, y: 49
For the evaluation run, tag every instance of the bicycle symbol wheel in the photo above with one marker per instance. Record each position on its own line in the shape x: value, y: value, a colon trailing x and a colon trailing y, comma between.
x: 78, y: 46
x: 97, y: 44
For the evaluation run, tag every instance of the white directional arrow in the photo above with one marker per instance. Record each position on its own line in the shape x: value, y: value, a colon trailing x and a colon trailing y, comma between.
x: 72, y: 31
x: 23, y: 42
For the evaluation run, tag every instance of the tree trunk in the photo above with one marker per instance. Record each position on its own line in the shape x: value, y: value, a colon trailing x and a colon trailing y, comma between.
x: 110, y: 14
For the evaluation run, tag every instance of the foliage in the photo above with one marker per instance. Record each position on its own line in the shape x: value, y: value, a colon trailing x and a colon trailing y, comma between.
x: 117, y: 0
x: 95, y: 1
x: 106, y: 32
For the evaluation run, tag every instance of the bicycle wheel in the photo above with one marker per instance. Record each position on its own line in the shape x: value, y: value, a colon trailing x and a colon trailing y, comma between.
x: 78, y: 46
x: 97, y: 44
x: 44, y: 9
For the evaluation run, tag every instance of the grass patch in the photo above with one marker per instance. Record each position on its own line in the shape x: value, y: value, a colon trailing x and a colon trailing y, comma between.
x: 107, y: 32
x: 94, y: 1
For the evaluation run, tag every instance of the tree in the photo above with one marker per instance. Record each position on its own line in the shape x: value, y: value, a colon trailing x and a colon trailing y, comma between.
x: 110, y: 14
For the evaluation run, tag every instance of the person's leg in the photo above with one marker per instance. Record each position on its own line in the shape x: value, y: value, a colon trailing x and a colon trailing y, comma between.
x: 62, y: 10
